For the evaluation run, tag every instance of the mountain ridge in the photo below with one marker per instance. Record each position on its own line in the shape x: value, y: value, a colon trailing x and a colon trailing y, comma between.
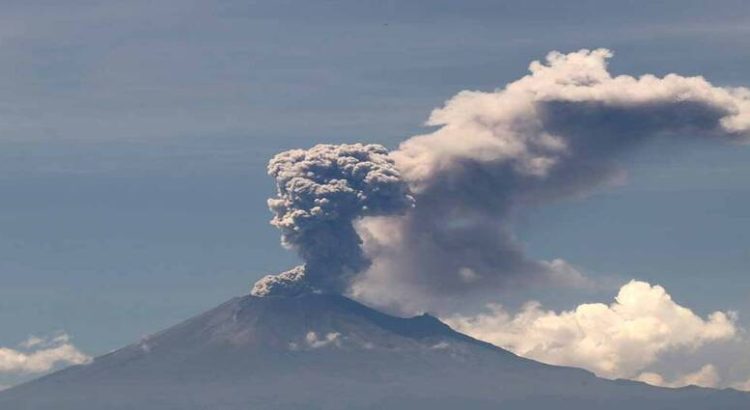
x: 330, y: 352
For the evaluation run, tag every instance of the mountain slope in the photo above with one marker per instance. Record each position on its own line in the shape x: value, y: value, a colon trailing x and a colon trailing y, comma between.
x: 329, y: 352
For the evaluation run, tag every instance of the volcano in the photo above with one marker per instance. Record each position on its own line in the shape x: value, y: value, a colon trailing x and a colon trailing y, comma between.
x: 318, y: 351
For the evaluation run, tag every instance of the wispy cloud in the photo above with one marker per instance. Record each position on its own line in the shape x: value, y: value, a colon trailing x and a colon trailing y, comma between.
x: 744, y: 386
x: 706, y: 376
x: 314, y: 341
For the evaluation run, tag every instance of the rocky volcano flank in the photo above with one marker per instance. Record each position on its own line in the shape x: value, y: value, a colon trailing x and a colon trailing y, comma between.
x: 317, y: 351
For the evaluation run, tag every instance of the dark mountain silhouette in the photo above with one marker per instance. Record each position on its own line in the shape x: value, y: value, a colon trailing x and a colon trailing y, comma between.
x: 329, y: 352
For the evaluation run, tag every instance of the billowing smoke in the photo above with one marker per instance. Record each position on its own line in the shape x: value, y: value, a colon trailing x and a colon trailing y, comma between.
x: 555, y: 133
x: 321, y: 192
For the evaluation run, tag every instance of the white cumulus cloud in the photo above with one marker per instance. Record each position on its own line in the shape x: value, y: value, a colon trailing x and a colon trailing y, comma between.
x: 619, y: 340
x: 39, y: 355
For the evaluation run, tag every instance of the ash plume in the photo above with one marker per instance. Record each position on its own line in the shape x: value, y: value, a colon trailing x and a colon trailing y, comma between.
x: 321, y: 192
x: 556, y: 133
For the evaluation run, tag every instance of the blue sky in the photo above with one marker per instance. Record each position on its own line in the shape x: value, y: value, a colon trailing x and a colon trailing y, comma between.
x: 134, y: 137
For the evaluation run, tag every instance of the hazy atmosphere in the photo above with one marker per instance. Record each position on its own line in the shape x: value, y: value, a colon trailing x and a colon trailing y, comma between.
x: 547, y: 178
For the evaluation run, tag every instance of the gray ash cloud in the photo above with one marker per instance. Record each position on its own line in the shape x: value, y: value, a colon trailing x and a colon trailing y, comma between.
x: 321, y: 193
x: 555, y: 133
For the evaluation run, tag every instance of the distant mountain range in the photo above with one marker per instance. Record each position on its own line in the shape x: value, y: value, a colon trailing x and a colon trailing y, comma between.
x: 328, y: 352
